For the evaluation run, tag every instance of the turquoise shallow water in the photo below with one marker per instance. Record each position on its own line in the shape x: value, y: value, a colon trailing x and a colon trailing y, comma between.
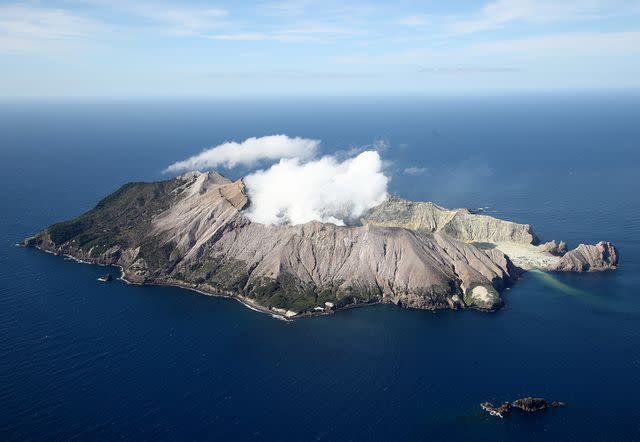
x: 80, y: 359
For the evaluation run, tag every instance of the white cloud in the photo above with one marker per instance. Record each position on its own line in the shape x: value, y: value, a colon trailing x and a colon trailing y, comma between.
x: 288, y: 8
x: 306, y: 32
x: 250, y: 36
x: 565, y: 45
x: 173, y: 18
x: 336, y: 189
x: 180, y: 20
x: 415, y: 170
x: 495, y: 14
x: 35, y: 29
x: 325, y: 190
x: 465, y: 70
x: 412, y: 21
x: 250, y: 151
x: 512, y: 51
x: 498, y: 13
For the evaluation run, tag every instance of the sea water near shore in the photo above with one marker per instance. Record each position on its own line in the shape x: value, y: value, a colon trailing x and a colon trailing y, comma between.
x: 85, y: 359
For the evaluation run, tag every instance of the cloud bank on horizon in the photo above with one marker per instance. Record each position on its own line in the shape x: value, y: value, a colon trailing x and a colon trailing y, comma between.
x: 300, y: 187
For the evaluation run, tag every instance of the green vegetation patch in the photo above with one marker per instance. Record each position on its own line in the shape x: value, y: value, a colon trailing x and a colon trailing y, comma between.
x: 120, y: 219
x: 288, y: 292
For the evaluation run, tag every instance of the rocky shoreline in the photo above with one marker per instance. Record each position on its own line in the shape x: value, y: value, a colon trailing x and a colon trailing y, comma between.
x: 247, y: 302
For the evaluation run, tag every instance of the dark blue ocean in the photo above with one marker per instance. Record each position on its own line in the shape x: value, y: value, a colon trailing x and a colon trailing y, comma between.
x: 85, y: 360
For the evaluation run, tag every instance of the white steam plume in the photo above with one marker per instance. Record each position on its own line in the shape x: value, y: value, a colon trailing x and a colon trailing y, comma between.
x: 326, y: 190
x: 250, y: 151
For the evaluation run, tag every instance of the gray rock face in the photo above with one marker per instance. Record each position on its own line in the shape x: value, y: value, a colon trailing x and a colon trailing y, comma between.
x: 554, y: 247
x: 191, y: 231
x: 602, y: 256
x: 368, y: 263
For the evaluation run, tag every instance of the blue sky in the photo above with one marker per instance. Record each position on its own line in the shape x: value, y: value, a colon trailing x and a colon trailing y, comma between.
x: 88, y: 48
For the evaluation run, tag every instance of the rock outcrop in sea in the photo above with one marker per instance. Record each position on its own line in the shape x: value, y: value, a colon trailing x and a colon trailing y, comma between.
x: 528, y: 404
x: 191, y: 231
x: 105, y: 278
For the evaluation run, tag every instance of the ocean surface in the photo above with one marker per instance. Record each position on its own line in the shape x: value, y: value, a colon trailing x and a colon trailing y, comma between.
x: 85, y: 360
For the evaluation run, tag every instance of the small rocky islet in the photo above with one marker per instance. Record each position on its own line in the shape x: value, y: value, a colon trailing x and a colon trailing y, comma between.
x: 192, y: 231
x: 528, y: 404
x: 105, y: 278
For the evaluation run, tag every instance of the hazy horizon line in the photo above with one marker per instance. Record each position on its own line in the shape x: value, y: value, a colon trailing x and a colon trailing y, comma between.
x: 422, y: 94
